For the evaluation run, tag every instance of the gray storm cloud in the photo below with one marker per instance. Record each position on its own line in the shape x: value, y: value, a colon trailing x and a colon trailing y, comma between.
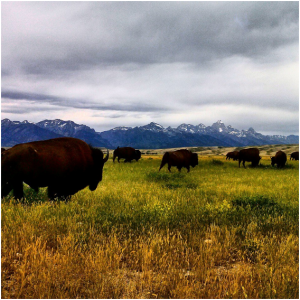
x: 129, y: 63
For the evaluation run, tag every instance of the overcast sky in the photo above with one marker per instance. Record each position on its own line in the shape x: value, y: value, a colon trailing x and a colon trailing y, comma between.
x: 108, y: 64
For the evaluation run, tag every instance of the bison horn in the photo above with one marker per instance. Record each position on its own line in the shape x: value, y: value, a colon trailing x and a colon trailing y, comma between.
x: 107, y: 156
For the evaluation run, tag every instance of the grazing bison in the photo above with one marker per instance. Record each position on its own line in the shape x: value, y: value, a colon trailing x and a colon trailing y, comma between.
x: 279, y: 159
x: 128, y: 153
x: 234, y: 155
x: 64, y: 165
x: 2, y: 150
x: 295, y: 156
x: 180, y: 158
x: 251, y: 155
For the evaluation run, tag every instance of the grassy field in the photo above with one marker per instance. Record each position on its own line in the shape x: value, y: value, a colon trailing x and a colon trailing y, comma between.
x: 217, y: 232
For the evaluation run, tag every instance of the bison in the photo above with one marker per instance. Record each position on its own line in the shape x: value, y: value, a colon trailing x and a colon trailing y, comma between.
x: 128, y: 153
x: 279, y: 159
x: 2, y: 150
x: 64, y: 165
x: 251, y: 155
x: 180, y: 158
x: 234, y: 155
x: 295, y: 156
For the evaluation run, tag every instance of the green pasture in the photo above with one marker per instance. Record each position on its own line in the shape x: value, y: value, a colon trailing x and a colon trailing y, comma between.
x: 185, y: 225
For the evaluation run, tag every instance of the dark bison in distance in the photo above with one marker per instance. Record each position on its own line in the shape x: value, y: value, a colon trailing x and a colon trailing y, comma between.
x: 64, y: 165
x: 234, y: 155
x: 250, y: 155
x: 128, y: 153
x: 295, y: 156
x: 180, y: 158
x: 279, y: 159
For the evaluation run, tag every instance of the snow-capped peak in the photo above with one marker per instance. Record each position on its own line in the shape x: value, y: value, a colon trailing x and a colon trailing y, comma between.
x: 219, y: 126
x: 122, y: 128
x: 187, y: 128
x: 153, y: 127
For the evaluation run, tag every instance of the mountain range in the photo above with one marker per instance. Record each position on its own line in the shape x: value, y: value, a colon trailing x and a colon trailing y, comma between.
x: 151, y: 136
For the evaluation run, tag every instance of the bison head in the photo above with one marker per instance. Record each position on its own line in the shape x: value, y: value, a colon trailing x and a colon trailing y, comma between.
x: 273, y: 161
x: 138, y: 155
x: 194, y: 160
x: 97, y: 169
x: 255, y: 162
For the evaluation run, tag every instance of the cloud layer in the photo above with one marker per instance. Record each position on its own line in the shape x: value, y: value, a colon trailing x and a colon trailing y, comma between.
x: 108, y: 64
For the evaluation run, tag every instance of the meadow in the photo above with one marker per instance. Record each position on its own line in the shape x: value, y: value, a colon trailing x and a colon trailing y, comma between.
x: 219, y: 231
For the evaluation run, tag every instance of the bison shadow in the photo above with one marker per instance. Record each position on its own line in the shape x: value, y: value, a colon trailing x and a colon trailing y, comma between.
x: 269, y: 166
x: 154, y: 176
x: 217, y: 162
x: 172, y: 180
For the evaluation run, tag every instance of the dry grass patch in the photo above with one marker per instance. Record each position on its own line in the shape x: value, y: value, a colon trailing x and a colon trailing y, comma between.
x: 217, y: 232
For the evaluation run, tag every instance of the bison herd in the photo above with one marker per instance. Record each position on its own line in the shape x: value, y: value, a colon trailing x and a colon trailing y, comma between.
x: 68, y: 165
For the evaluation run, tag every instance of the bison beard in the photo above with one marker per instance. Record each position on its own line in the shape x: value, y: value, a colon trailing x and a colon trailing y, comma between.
x: 64, y: 165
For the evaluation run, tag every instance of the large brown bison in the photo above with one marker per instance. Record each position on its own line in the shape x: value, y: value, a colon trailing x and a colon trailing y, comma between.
x: 279, y: 159
x: 295, y: 156
x: 128, y: 153
x: 234, y: 155
x: 64, y: 165
x: 251, y: 155
x: 180, y: 158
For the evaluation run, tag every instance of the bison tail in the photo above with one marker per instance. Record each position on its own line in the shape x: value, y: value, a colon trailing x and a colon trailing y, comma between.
x: 164, y: 160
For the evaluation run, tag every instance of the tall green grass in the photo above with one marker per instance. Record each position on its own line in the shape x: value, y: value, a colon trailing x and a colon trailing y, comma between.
x: 218, y: 231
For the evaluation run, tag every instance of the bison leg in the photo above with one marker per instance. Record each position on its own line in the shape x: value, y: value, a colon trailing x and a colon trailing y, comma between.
x: 161, y: 165
x: 6, y: 189
x: 188, y: 168
x: 18, y: 190
x: 51, y: 193
x: 169, y: 167
x: 179, y: 168
x: 240, y: 163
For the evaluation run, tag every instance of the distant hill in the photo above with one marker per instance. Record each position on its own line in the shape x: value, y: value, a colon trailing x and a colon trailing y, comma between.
x: 71, y: 129
x: 155, y: 136
x: 151, y: 136
x: 13, y: 133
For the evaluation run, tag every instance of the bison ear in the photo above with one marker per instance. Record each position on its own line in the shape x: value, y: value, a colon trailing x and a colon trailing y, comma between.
x: 107, y: 156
